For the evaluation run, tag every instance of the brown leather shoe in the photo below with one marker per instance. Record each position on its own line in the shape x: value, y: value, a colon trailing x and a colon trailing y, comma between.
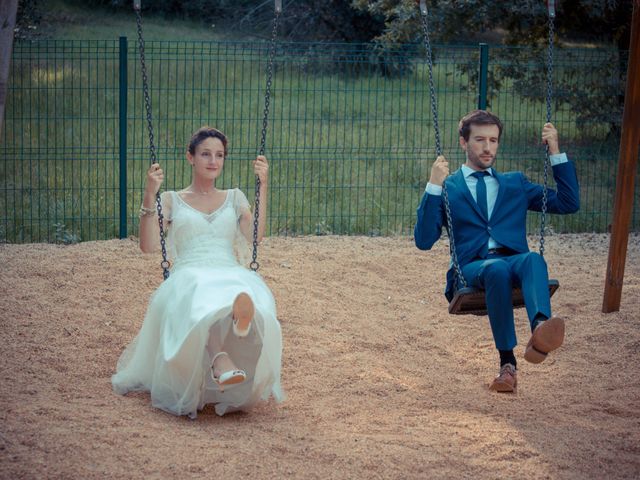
x: 546, y: 337
x: 506, y: 381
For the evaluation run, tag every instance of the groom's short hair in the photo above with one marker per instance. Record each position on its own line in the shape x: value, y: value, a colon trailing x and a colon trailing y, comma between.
x: 478, y: 117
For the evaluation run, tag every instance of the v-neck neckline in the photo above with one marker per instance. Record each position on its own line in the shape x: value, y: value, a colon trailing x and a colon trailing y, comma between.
x: 226, y: 199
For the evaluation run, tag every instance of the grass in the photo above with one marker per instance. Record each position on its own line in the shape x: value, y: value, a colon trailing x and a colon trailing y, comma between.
x: 350, y: 149
x: 71, y: 21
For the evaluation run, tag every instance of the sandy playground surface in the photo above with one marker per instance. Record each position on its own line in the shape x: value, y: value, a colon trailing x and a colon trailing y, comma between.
x: 382, y: 382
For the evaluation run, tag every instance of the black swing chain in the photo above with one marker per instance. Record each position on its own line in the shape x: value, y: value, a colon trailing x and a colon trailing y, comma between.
x: 434, y: 110
x: 254, y: 265
x: 547, y: 161
x: 152, y: 149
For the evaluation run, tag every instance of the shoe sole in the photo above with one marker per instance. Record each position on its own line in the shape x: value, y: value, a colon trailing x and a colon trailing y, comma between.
x: 545, y: 339
x: 502, y: 387
x: 243, y: 312
x: 233, y: 380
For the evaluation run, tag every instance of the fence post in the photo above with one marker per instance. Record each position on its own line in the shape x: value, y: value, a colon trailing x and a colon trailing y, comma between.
x: 482, y: 76
x: 123, y: 135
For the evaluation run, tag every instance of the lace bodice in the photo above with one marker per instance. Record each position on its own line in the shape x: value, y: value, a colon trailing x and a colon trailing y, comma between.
x: 214, y: 239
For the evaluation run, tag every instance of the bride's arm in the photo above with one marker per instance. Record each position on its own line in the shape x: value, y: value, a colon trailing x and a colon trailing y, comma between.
x: 149, y: 229
x: 261, y: 169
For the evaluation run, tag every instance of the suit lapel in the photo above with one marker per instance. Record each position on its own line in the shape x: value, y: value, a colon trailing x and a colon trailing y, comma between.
x: 461, y: 183
x: 501, y: 191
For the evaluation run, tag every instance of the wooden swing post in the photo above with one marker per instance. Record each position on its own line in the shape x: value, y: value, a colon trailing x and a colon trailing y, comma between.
x: 627, y: 166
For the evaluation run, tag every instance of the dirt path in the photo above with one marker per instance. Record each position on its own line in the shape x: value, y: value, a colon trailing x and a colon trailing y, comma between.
x: 382, y: 382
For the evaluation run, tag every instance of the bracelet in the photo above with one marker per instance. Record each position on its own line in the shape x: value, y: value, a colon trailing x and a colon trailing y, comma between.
x: 146, y: 212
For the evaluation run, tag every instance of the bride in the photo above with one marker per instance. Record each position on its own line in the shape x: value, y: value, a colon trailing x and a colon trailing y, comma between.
x: 210, y: 334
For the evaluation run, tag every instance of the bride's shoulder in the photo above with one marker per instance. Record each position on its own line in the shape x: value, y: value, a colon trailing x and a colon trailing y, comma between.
x: 237, y: 192
x: 168, y: 195
x: 239, y: 197
x: 238, y: 200
x: 166, y: 198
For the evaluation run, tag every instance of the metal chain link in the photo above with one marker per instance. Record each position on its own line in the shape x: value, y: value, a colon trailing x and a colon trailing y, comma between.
x: 432, y: 90
x: 152, y: 149
x: 434, y: 111
x: 547, y: 161
x: 254, y: 265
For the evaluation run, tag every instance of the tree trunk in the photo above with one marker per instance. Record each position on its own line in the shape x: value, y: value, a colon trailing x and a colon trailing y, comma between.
x: 8, y: 9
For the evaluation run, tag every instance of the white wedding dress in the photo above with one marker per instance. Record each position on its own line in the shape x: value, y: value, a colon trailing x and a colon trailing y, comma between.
x: 189, y: 319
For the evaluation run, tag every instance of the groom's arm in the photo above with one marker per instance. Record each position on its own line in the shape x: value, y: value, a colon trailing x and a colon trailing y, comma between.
x: 431, y: 210
x: 566, y: 199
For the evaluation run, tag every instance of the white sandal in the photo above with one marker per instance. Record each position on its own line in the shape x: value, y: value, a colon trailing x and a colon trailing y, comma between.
x: 230, y: 377
x: 243, y: 311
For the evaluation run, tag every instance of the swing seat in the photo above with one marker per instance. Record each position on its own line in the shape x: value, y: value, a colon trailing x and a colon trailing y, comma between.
x: 471, y: 301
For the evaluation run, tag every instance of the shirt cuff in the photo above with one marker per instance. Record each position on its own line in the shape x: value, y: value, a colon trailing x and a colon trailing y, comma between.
x: 558, y: 158
x: 433, y: 189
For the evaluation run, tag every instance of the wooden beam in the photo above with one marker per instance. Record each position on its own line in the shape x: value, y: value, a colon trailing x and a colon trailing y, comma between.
x: 8, y: 9
x: 627, y: 165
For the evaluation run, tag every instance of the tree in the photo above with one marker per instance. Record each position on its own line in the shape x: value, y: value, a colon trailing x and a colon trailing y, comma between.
x: 7, y: 24
x: 522, y: 22
x: 313, y: 20
x: 525, y: 23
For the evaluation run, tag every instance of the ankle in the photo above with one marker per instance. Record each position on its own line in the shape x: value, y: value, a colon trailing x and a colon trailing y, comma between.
x: 538, y: 320
x: 507, y: 356
x: 222, y: 362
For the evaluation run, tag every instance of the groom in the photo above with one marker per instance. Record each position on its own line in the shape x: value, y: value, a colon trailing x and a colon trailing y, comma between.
x: 488, y: 215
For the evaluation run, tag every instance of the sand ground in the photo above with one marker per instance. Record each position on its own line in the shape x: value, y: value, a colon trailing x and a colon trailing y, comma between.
x: 381, y: 381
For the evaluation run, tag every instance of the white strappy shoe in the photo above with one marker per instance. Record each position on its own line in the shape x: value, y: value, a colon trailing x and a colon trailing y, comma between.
x: 243, y: 311
x: 230, y: 377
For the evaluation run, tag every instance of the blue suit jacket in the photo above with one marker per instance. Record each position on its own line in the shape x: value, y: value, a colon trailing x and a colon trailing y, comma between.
x: 471, y: 230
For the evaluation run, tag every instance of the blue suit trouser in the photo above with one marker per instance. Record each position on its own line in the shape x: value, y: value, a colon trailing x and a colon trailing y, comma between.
x: 497, y: 275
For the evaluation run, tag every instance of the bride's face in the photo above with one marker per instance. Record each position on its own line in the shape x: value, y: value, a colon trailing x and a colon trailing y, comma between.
x: 208, y: 160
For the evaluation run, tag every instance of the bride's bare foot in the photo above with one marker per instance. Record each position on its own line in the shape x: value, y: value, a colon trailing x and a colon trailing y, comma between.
x: 243, y: 311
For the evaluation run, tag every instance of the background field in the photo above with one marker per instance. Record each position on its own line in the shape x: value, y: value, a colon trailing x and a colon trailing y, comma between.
x: 350, y: 136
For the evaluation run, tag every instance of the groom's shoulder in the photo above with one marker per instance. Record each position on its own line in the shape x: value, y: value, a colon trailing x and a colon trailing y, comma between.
x: 514, y: 175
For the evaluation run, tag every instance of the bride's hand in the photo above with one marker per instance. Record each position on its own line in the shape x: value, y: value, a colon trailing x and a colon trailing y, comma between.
x: 261, y: 168
x: 155, y: 176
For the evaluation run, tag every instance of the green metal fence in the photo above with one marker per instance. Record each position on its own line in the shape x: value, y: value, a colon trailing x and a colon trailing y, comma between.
x: 350, y: 139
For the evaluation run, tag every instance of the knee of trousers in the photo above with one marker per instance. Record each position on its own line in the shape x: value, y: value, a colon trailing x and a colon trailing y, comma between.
x: 497, y: 271
x: 534, y: 259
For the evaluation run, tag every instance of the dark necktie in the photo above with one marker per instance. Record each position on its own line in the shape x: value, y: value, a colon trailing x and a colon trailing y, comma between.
x: 481, y: 193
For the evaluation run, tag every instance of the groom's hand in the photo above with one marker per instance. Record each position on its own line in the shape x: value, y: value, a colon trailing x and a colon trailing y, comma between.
x: 550, y: 137
x: 439, y: 171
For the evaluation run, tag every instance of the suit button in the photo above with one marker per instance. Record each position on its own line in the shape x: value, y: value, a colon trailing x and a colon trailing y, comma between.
x: 488, y: 229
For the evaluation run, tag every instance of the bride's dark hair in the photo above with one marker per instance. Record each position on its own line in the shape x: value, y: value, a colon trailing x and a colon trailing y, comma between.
x: 202, y: 134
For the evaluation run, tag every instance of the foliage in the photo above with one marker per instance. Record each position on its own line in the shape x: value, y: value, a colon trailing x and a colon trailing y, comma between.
x: 28, y: 17
x: 524, y: 23
x: 318, y: 20
x: 573, y: 86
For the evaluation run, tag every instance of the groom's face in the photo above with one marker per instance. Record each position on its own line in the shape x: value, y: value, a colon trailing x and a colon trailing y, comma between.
x: 482, y: 146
